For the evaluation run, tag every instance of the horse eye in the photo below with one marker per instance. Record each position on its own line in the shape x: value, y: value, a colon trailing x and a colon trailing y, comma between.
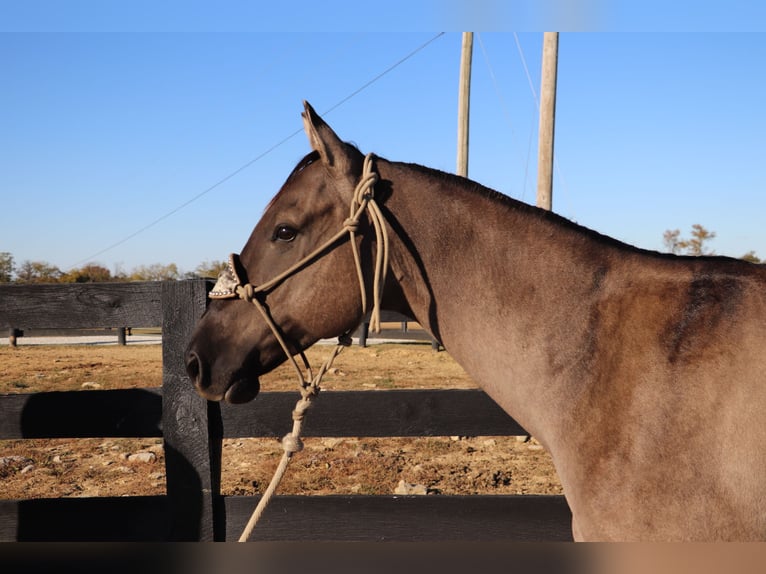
x: 284, y: 233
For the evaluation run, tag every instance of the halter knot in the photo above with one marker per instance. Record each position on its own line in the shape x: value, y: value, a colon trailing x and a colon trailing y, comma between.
x: 351, y: 225
x: 365, y: 189
x: 291, y: 443
x: 246, y: 292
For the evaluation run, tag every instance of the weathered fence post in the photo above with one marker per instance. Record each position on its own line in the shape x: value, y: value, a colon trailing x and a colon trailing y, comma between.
x: 364, y: 332
x: 13, y: 336
x: 191, y: 426
x: 121, y: 340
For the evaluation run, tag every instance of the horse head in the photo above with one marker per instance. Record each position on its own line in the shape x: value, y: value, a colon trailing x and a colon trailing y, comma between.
x: 298, y: 269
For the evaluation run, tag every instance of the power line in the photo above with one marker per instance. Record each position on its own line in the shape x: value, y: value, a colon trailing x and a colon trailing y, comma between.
x: 526, y: 69
x: 507, y: 115
x: 255, y: 159
x: 383, y: 73
x: 187, y: 202
x: 556, y: 163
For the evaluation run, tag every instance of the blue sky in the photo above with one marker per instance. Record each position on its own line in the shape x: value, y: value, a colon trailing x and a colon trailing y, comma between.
x: 105, y: 133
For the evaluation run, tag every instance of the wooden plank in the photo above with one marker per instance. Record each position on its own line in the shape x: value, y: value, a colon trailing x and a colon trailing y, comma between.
x: 81, y: 414
x: 137, y: 413
x: 404, y: 518
x: 298, y: 518
x: 363, y: 331
x: 387, y: 316
x: 72, y: 332
x: 134, y: 518
x: 374, y: 414
x: 80, y: 305
x: 191, y: 425
x: 392, y: 334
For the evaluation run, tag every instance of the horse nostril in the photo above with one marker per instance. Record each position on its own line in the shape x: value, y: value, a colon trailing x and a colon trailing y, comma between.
x: 194, y: 368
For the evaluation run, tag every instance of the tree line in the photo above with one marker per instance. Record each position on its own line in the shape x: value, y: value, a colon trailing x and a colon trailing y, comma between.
x: 697, y: 243
x: 43, y: 272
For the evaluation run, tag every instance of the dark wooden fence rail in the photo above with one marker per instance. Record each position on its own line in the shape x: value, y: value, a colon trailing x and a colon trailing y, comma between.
x: 193, y: 429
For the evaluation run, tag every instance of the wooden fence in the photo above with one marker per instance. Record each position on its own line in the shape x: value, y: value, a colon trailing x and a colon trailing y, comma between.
x: 192, y: 430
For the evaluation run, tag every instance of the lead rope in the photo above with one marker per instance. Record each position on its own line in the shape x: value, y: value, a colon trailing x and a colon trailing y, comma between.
x: 362, y: 201
x: 291, y: 442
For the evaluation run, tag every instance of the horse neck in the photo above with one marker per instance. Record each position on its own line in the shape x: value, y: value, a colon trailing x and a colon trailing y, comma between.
x: 503, y: 286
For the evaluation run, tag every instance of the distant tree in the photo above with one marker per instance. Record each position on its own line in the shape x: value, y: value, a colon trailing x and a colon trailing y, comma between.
x: 91, y: 273
x: 6, y: 267
x: 695, y: 245
x: 751, y: 257
x: 37, y: 272
x: 155, y: 272
x: 671, y: 239
x: 208, y: 270
x: 119, y: 273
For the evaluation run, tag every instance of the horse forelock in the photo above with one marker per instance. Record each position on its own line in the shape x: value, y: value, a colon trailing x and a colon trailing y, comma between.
x: 307, y: 160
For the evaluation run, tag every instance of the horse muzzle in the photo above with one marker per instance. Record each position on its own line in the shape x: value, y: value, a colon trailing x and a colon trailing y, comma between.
x: 235, y: 389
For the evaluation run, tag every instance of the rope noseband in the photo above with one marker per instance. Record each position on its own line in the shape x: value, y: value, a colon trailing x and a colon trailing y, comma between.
x: 229, y: 286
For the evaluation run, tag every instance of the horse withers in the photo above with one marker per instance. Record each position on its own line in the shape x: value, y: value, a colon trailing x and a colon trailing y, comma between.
x: 643, y: 374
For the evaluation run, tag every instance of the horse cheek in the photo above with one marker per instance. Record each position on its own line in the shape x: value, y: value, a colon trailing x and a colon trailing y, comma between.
x: 337, y: 307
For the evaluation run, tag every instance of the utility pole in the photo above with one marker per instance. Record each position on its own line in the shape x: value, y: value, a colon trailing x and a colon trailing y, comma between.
x: 547, y: 120
x: 463, y: 104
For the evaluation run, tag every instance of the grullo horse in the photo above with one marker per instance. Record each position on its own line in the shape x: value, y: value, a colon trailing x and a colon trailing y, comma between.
x: 643, y: 374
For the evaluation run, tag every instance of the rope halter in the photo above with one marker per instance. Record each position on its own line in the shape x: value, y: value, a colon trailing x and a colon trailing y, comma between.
x: 230, y: 286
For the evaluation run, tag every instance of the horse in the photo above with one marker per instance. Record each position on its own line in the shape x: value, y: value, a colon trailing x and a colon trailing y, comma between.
x: 642, y: 374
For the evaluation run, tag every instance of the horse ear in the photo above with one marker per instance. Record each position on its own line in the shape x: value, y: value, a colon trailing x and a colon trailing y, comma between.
x: 324, y: 140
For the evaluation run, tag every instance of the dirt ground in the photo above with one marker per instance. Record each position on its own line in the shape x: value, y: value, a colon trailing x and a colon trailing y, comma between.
x: 116, y: 467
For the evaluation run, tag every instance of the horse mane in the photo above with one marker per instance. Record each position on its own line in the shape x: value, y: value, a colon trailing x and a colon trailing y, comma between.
x: 508, y: 203
x: 515, y: 205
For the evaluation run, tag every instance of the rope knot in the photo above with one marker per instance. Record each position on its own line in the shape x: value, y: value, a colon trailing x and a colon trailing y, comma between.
x: 304, y: 403
x: 351, y: 224
x: 367, y: 195
x: 246, y: 292
x: 291, y: 443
